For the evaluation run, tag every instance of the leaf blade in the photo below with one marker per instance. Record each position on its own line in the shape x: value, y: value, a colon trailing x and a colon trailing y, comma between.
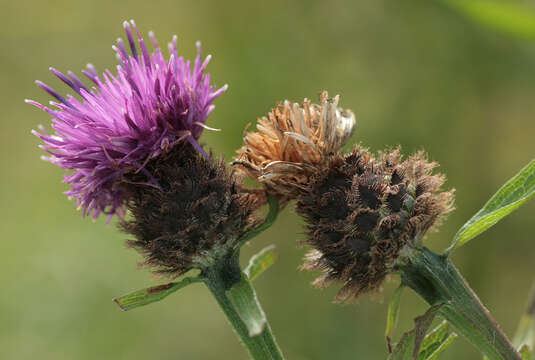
x: 408, y: 347
x: 511, y: 18
x: 526, y: 353
x: 514, y: 193
x: 525, y: 334
x: 152, y: 294
x: 245, y: 301
x: 260, y: 262
x: 436, y: 342
x: 443, y: 346
x: 392, y: 315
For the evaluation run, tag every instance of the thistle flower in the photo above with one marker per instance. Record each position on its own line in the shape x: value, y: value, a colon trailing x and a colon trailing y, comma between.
x: 293, y: 142
x: 194, y: 217
x: 123, y: 121
x: 361, y: 212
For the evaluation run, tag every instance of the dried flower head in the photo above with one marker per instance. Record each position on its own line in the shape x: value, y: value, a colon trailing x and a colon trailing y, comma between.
x: 361, y: 212
x: 196, y: 215
x: 293, y: 142
x: 115, y: 127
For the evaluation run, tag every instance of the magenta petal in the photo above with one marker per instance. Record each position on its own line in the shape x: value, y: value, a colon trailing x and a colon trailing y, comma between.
x: 125, y: 119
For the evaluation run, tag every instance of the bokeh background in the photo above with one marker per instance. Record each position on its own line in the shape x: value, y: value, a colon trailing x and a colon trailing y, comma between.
x: 418, y: 73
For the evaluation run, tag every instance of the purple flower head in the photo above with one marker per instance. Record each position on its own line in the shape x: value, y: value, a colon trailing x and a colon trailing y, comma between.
x: 121, y: 122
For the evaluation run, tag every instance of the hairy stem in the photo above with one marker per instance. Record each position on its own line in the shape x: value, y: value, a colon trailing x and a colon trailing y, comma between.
x: 437, y: 281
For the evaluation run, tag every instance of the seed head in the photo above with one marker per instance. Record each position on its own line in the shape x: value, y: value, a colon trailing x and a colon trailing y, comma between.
x: 361, y: 212
x: 196, y: 214
x: 292, y: 142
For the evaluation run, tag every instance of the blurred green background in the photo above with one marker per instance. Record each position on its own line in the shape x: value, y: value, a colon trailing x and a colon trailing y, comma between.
x: 416, y: 73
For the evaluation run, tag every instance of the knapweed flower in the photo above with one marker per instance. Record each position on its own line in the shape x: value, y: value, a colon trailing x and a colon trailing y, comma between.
x: 116, y: 126
x: 361, y: 212
x: 194, y: 218
x: 293, y: 142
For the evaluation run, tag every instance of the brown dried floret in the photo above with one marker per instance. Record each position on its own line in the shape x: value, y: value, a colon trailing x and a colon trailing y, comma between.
x: 197, y: 212
x: 293, y: 142
x: 362, y: 211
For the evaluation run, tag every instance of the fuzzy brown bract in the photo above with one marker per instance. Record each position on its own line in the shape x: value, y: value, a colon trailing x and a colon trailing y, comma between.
x: 292, y: 142
x: 196, y: 212
x: 361, y: 212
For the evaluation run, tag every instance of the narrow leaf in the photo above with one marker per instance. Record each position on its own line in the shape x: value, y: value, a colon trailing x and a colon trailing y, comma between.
x: 509, y: 197
x: 437, y: 335
x: 509, y: 17
x: 436, y: 342
x: 260, y: 262
x: 525, y: 333
x: 443, y: 346
x: 243, y: 297
x: 526, y: 353
x: 404, y: 348
x: 408, y: 347
x: 392, y: 315
x: 268, y: 221
x: 152, y: 294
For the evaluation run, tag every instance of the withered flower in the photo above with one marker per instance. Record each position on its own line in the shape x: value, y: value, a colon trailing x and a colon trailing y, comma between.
x: 362, y: 211
x: 194, y: 217
x: 293, y: 142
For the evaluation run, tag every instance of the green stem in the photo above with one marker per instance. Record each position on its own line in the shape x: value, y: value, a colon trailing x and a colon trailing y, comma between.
x: 261, y: 346
x: 437, y: 281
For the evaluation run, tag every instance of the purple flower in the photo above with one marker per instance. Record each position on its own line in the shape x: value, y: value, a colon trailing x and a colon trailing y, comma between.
x: 124, y: 120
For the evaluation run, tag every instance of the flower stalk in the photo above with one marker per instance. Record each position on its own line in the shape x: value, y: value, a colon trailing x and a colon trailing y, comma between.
x: 237, y: 298
x: 437, y: 281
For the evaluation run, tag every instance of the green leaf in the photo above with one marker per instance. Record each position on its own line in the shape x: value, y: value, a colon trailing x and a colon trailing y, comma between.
x: 509, y: 17
x: 408, y: 347
x: 405, y: 347
x: 526, y: 353
x: 392, y: 316
x: 260, y: 262
x: 436, y: 342
x: 243, y: 297
x: 525, y: 333
x: 514, y: 193
x: 268, y: 221
x: 152, y: 294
